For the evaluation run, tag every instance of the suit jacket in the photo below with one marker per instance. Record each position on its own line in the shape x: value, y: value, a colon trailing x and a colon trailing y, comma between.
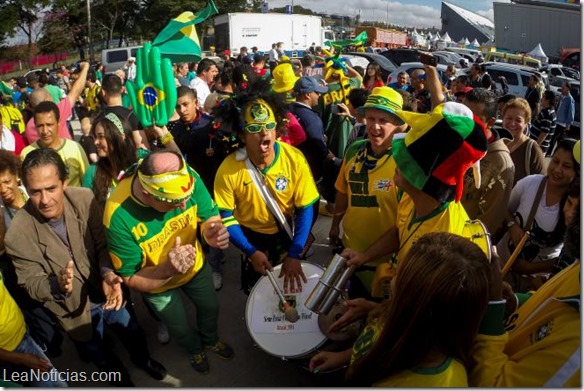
x: 39, y: 254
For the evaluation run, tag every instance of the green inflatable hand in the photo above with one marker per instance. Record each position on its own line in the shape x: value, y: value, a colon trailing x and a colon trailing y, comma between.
x: 153, y: 93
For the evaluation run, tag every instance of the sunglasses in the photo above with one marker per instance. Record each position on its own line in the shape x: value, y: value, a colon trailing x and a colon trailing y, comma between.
x: 256, y: 128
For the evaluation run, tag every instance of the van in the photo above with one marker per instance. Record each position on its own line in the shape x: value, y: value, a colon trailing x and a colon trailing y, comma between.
x: 516, y: 59
x: 517, y: 76
x: 114, y: 59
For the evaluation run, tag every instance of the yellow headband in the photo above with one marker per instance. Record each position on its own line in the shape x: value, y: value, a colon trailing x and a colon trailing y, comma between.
x: 171, y: 187
x: 258, y: 112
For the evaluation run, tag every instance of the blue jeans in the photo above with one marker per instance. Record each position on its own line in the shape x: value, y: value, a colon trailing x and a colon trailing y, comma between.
x: 29, y: 346
x: 124, y: 326
x: 214, y: 258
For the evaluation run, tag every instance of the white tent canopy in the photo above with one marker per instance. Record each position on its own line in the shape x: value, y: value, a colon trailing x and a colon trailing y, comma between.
x: 475, y: 43
x: 538, y: 53
x: 446, y: 38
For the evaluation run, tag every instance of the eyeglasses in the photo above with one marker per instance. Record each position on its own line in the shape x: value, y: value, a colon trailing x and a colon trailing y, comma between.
x: 256, y: 128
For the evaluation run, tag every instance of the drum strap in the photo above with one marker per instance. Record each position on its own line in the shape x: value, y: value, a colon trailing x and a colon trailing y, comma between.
x: 268, y: 198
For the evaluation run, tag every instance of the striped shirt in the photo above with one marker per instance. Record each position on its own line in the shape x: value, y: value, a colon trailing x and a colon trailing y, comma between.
x: 546, y: 123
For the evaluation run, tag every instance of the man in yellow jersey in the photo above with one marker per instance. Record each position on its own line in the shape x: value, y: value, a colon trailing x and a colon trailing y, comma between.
x: 152, y: 219
x: 364, y: 184
x: 431, y: 160
x: 286, y: 175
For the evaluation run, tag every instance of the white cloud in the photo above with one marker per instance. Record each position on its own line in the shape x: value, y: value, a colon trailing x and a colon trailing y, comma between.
x: 401, y: 13
x: 374, y: 10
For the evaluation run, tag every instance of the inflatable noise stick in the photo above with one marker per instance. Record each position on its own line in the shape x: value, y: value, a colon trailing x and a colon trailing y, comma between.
x: 515, y: 254
x: 290, y: 312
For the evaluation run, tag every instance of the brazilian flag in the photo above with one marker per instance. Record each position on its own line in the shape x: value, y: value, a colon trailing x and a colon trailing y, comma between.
x: 178, y: 41
x: 359, y: 40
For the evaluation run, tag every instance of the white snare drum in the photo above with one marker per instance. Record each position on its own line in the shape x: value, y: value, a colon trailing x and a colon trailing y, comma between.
x: 265, y: 320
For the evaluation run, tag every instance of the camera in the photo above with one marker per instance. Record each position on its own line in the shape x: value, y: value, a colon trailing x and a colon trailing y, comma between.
x: 428, y: 59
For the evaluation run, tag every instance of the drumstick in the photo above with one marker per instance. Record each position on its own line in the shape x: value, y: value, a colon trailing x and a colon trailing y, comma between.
x: 515, y: 254
x: 290, y: 312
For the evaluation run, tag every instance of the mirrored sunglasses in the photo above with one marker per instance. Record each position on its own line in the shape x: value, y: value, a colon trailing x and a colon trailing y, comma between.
x: 256, y: 128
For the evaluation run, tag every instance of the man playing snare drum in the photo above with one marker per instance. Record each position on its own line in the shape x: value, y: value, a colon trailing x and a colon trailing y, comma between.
x: 286, y: 175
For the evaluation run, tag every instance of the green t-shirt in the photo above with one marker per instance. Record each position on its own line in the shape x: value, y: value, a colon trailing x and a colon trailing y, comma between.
x: 139, y: 236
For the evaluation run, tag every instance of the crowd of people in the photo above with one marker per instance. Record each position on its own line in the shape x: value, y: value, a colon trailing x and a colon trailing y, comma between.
x: 256, y: 151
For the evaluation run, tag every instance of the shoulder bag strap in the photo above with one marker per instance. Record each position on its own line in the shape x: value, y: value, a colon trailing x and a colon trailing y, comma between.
x: 535, y: 204
x: 268, y: 197
x: 528, y: 157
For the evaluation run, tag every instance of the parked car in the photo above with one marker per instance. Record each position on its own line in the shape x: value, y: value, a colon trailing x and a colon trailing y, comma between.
x: 444, y: 59
x: 411, y: 66
x: 401, y: 55
x: 470, y: 54
x: 387, y: 66
x: 554, y: 70
x: 356, y: 61
x: 454, y: 57
x: 517, y: 76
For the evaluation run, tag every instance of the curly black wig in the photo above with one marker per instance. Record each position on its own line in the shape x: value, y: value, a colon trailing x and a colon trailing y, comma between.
x: 229, y: 112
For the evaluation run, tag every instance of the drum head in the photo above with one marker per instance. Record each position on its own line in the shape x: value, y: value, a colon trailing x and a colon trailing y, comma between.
x: 476, y: 231
x: 266, y: 323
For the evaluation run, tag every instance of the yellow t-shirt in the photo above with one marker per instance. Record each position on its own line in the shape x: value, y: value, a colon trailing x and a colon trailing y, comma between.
x: 91, y: 100
x: 288, y: 178
x: 12, y: 326
x: 449, y: 217
x: 371, y: 209
x: 72, y: 154
x: 450, y: 374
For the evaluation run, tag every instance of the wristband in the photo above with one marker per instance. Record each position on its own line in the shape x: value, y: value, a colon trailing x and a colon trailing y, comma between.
x: 166, y: 138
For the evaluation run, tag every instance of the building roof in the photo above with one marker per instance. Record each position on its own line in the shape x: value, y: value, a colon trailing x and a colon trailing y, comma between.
x: 481, y: 23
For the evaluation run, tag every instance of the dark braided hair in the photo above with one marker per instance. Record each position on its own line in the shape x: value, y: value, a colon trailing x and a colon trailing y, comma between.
x: 229, y: 112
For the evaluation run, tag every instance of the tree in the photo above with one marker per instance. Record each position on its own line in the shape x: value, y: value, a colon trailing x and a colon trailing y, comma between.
x: 24, y: 16
x: 56, y: 35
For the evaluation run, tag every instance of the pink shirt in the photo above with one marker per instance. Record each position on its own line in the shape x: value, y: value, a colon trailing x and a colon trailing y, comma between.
x: 30, y: 133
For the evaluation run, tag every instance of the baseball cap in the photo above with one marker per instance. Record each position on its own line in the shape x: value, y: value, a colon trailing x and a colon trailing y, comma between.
x: 306, y: 84
x: 383, y: 98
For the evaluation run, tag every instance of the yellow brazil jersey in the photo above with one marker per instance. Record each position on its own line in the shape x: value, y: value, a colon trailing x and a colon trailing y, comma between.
x: 450, y: 374
x: 139, y: 236
x: 288, y: 178
x: 91, y: 97
x: 12, y: 326
x: 367, y: 181
x: 449, y: 217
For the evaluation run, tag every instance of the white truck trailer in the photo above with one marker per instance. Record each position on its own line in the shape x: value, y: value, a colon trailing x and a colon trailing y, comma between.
x: 297, y: 32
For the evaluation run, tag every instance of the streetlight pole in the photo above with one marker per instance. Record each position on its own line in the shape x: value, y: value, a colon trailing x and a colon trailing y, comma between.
x: 90, y: 43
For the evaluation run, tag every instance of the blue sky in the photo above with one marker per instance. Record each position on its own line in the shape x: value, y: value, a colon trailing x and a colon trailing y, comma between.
x: 415, y: 13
